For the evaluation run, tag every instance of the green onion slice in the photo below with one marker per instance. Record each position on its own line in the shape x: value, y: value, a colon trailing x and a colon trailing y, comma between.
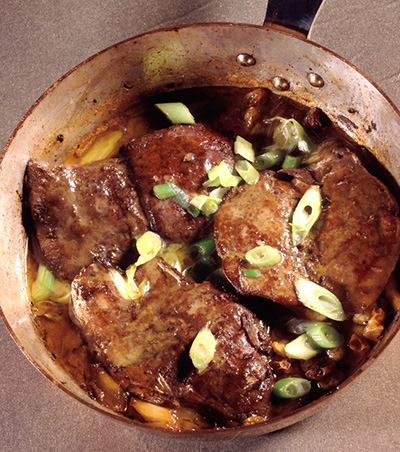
x: 319, y: 299
x: 291, y: 387
x: 43, y: 285
x: 243, y: 148
x: 221, y: 174
x: 323, y: 335
x: 168, y: 190
x: 163, y: 191
x: 227, y: 179
x: 270, y: 158
x: 148, y: 245
x: 176, y: 112
x: 202, y: 248
x: 291, y: 161
x: 252, y: 273
x: 306, y: 214
x: 218, y: 193
x: 299, y: 326
x: 174, y: 254
x: 247, y: 171
x: 263, y: 256
x: 126, y: 286
x: 203, y: 349
x: 289, y: 135
x: 301, y: 348
x: 209, y: 204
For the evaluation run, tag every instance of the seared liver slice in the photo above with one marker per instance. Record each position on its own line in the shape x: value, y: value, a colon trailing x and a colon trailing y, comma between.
x: 145, y: 345
x: 182, y: 155
x: 255, y: 215
x: 351, y: 250
x: 83, y: 213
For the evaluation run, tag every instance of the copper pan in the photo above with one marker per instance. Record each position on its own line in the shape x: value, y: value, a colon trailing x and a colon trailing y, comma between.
x: 212, y: 54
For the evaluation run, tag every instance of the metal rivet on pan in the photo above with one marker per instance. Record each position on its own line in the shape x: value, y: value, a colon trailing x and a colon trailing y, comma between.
x: 245, y: 59
x: 280, y: 83
x: 315, y: 80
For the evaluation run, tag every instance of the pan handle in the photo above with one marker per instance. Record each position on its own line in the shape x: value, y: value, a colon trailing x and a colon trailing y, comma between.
x: 294, y: 16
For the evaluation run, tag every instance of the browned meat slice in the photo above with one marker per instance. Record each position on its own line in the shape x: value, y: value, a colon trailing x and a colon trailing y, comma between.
x: 83, y: 213
x: 181, y: 155
x: 351, y: 250
x: 145, y: 344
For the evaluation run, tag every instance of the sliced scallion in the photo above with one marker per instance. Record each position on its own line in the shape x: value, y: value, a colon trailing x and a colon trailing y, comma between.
x: 202, y: 248
x: 299, y: 326
x: 243, y: 148
x: 210, y: 207
x: 163, y: 191
x: 252, y: 273
x: 125, y: 286
x: 176, y: 112
x: 291, y: 387
x: 319, y: 299
x: 263, y: 256
x: 227, y: 179
x: 221, y: 174
x: 289, y: 135
x: 291, y: 161
x: 209, y: 204
x: 168, y: 190
x: 148, y: 245
x: 306, y: 214
x: 43, y: 285
x: 323, y: 335
x: 174, y: 254
x: 183, y: 201
x: 247, y: 171
x: 203, y: 349
x: 268, y: 159
x: 218, y: 193
x: 301, y: 348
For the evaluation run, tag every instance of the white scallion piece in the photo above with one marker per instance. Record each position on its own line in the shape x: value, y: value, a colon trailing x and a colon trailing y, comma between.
x: 306, y: 214
x: 221, y: 174
x: 148, y: 245
x: 244, y: 148
x: 176, y: 112
x: 247, y: 171
x: 319, y: 299
x: 203, y: 349
x: 301, y: 348
x: 209, y: 204
x: 43, y: 285
x: 263, y: 256
x: 289, y: 135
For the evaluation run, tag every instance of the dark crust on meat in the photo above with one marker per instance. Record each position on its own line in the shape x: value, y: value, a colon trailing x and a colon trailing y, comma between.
x: 145, y: 345
x: 351, y: 250
x: 82, y: 213
x: 250, y: 217
x: 181, y: 155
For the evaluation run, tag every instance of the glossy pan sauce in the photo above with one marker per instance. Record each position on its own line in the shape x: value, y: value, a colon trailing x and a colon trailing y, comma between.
x: 231, y: 112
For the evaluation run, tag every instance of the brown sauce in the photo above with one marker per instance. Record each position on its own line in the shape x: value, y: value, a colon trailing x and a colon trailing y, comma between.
x: 224, y: 110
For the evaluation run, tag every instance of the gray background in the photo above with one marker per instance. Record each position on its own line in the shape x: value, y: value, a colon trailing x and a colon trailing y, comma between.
x: 43, y: 39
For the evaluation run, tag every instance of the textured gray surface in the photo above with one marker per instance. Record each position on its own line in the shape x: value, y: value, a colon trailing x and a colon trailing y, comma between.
x: 366, y: 33
x: 40, y: 41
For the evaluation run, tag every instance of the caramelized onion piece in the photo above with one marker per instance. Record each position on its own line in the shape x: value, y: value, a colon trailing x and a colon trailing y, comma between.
x: 358, y: 344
